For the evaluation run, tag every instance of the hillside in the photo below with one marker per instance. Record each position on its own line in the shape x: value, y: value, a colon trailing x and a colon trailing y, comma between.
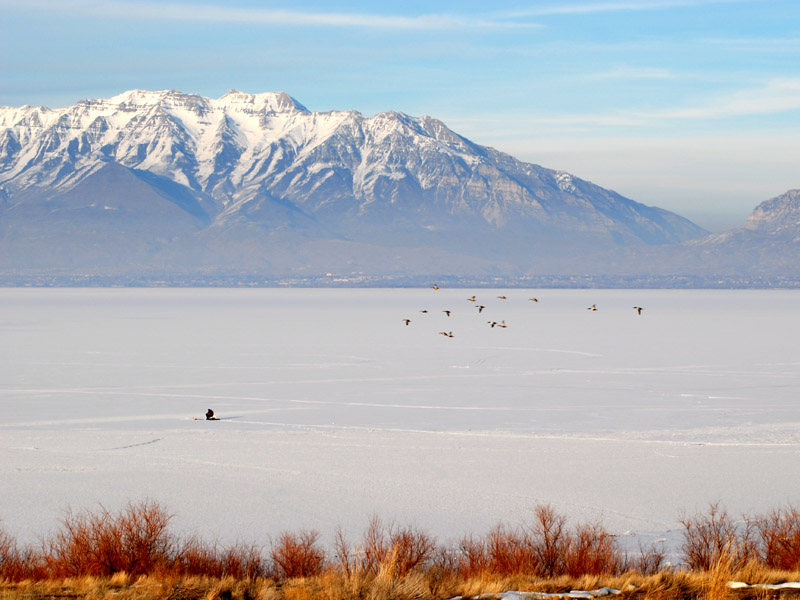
x: 166, y: 181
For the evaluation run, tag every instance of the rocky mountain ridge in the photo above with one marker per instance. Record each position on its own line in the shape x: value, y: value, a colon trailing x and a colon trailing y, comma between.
x: 778, y: 216
x: 257, y: 182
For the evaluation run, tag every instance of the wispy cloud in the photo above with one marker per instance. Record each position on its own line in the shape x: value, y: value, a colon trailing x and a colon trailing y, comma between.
x: 121, y: 9
x: 632, y: 73
x: 777, y: 96
x: 774, y: 97
x: 756, y: 44
x: 618, y: 6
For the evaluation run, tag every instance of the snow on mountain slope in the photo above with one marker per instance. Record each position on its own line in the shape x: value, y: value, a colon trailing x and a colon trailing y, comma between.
x: 265, y: 162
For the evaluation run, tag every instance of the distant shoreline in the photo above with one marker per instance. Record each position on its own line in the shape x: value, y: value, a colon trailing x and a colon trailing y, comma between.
x: 237, y: 280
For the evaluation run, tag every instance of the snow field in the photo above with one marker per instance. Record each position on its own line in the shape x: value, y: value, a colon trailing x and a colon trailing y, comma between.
x: 333, y: 410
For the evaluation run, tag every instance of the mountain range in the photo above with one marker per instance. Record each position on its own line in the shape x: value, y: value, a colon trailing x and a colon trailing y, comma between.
x: 173, y: 183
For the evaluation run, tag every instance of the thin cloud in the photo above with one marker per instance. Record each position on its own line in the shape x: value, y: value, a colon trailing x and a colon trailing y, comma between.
x: 227, y: 14
x: 631, y: 73
x: 760, y: 44
x: 775, y: 97
x: 621, y: 6
x: 592, y: 120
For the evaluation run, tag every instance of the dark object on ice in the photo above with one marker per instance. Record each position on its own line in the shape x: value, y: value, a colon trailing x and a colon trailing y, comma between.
x: 210, y: 415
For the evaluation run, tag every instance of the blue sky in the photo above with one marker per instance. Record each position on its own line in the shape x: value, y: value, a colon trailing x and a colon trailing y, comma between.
x: 691, y: 105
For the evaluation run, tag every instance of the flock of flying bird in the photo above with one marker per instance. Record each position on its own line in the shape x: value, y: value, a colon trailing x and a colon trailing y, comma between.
x: 501, y: 324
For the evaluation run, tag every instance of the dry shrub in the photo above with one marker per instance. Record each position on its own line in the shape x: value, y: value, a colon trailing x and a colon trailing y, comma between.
x: 779, y: 534
x: 442, y: 572
x: 374, y: 546
x: 9, y: 553
x: 298, y: 555
x: 405, y: 548
x: 708, y: 538
x: 135, y: 540
x: 411, y: 549
x: 196, y: 557
x: 544, y: 548
x: 472, y: 559
x: 18, y: 563
x: 549, y: 540
x: 592, y: 551
x: 587, y: 549
x: 509, y: 552
x: 650, y: 560
x: 241, y: 561
x: 343, y: 554
x: 103, y: 552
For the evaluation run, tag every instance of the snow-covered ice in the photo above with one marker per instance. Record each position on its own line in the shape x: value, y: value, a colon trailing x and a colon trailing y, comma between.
x: 332, y: 409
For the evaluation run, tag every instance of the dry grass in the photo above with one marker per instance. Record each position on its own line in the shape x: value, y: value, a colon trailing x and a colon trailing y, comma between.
x: 333, y: 585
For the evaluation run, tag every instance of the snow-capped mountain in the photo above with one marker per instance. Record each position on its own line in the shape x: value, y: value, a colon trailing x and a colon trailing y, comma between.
x: 259, y: 181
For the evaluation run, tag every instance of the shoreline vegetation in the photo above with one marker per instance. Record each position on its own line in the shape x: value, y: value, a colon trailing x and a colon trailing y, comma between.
x: 132, y: 554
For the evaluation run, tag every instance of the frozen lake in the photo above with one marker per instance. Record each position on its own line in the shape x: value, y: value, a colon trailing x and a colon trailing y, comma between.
x: 332, y: 409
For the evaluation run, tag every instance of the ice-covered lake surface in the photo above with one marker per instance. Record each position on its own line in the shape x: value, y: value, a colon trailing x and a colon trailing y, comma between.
x: 333, y: 410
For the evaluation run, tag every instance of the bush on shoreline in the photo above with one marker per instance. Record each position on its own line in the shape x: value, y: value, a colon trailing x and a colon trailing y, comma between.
x: 133, y: 549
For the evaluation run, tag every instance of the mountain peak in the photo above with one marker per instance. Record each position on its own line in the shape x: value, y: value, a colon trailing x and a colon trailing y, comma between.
x: 777, y: 214
x: 145, y: 97
x: 276, y: 102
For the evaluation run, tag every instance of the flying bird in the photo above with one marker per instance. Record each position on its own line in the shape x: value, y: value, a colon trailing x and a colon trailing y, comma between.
x: 423, y: 311
x: 472, y: 299
x: 480, y: 308
x: 447, y: 312
x: 492, y: 323
x: 406, y: 321
x: 533, y: 299
x: 502, y: 324
x: 446, y: 334
x: 502, y: 297
x: 436, y: 287
x: 638, y: 309
x: 592, y: 307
